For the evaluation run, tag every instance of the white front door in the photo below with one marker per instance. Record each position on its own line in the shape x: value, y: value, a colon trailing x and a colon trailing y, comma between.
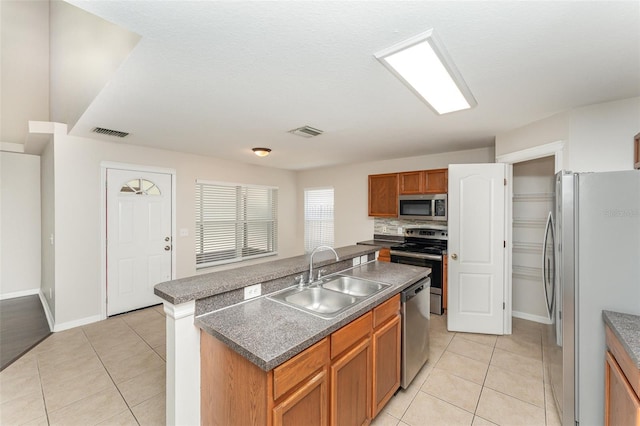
x: 476, y: 248
x: 138, y: 238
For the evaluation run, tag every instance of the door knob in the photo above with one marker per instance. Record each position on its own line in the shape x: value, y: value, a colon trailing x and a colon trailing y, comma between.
x: 167, y: 248
x: 454, y: 256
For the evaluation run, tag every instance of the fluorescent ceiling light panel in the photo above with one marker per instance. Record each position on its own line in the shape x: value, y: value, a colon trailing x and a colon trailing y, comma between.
x: 424, y: 66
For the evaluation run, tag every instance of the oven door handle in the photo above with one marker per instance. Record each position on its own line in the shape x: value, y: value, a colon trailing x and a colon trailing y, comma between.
x: 415, y: 255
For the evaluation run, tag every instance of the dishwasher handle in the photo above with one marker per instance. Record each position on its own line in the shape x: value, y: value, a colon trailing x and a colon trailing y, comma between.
x: 414, y: 289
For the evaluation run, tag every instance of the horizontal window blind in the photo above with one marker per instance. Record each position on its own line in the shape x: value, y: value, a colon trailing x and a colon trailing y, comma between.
x: 318, y: 218
x: 235, y: 223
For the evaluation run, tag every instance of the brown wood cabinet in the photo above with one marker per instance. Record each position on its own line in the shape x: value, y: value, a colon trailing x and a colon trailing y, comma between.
x: 351, y: 385
x: 436, y: 181
x: 305, y: 406
x: 386, y: 353
x: 384, y: 189
x: 433, y: 181
x: 345, y: 379
x: 384, y: 255
x: 234, y: 391
x: 622, y: 385
x: 412, y: 182
x: 383, y: 195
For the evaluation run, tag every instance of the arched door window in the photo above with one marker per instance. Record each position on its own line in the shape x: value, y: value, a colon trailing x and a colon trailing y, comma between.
x: 140, y: 187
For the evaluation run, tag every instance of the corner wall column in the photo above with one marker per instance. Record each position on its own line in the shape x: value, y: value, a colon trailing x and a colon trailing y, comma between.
x: 183, y: 365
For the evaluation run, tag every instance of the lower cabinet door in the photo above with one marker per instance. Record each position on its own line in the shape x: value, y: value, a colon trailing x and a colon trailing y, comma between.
x: 305, y: 406
x: 351, y: 386
x: 386, y: 363
x: 622, y: 405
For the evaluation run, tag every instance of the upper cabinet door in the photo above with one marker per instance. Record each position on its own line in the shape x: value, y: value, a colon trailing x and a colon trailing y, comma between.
x: 412, y: 182
x: 436, y: 181
x: 383, y: 195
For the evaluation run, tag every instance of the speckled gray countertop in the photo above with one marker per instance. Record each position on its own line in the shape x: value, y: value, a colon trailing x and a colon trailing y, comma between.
x: 269, y: 333
x: 626, y: 328
x: 385, y: 241
x: 205, y: 285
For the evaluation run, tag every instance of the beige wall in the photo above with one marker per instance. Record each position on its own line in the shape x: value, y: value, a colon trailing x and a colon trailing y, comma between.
x: 78, y: 203
x: 541, y: 132
x: 85, y: 52
x: 24, y: 66
x: 19, y: 224
x: 350, y: 183
x: 597, y: 137
x: 602, y: 136
x: 47, y: 261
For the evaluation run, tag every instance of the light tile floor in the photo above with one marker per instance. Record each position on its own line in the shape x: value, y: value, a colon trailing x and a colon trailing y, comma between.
x: 110, y: 373
x: 477, y: 379
x: 113, y: 373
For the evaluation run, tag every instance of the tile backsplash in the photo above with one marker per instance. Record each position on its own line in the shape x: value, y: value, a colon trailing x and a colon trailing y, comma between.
x: 395, y: 226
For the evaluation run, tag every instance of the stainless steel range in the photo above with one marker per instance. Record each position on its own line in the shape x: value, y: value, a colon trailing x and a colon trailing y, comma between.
x: 424, y: 246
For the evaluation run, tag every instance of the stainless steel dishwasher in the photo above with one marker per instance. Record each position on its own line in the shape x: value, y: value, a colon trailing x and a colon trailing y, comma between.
x: 415, y: 329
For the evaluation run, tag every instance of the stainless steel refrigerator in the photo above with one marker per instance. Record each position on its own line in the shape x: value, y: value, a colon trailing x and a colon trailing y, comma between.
x: 591, y: 263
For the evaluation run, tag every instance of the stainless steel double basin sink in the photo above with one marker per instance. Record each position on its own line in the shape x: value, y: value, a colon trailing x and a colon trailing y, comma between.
x: 330, y: 296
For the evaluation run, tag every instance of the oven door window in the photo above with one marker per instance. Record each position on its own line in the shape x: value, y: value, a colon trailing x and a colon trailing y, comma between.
x: 416, y: 208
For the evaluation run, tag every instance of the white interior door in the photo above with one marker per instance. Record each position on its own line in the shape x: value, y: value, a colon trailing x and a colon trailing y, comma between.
x: 138, y: 237
x: 476, y: 248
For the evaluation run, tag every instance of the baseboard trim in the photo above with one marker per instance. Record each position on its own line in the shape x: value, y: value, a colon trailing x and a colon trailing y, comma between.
x: 47, y: 310
x: 76, y: 323
x: 22, y: 293
x: 531, y: 317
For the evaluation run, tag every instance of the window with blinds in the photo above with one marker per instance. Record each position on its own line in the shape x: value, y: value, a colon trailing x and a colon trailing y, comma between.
x: 318, y: 218
x: 235, y: 223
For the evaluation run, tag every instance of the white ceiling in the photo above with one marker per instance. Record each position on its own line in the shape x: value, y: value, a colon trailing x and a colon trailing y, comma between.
x: 218, y: 78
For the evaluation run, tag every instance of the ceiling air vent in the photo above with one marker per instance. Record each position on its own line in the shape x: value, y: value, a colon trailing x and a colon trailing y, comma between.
x: 110, y: 132
x: 306, y: 132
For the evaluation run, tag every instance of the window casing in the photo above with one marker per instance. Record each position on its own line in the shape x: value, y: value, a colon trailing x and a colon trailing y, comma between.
x: 235, y: 222
x: 318, y: 218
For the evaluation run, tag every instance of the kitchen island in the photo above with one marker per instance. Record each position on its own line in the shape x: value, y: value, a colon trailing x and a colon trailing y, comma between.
x: 262, y: 331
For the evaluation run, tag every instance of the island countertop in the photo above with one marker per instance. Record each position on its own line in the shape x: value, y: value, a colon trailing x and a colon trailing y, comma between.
x: 269, y: 333
x: 205, y: 285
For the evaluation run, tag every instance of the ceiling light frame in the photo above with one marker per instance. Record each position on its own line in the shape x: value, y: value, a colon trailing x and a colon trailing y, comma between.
x: 428, y: 38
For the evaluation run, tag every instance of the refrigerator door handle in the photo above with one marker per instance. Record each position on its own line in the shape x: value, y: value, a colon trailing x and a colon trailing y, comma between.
x: 546, y: 267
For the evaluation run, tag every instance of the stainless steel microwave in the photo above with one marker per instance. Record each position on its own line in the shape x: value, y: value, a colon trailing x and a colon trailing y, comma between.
x: 427, y: 207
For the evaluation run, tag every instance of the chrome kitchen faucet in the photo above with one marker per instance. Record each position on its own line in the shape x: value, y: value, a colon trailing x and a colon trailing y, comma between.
x: 311, y: 259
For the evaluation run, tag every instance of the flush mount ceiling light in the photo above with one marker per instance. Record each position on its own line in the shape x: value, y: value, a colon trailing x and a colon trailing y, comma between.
x: 423, y: 64
x: 261, y: 152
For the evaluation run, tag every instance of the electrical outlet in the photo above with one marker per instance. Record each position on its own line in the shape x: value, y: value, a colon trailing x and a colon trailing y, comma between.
x: 356, y: 261
x: 252, y: 291
x: 364, y: 259
x: 399, y: 230
x: 384, y: 229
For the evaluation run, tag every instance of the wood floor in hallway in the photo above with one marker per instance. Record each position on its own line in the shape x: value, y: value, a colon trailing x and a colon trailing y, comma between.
x: 23, y: 325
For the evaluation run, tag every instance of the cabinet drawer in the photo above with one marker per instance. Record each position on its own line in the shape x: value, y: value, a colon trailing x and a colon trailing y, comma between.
x: 350, y: 334
x: 298, y: 368
x: 385, y: 311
